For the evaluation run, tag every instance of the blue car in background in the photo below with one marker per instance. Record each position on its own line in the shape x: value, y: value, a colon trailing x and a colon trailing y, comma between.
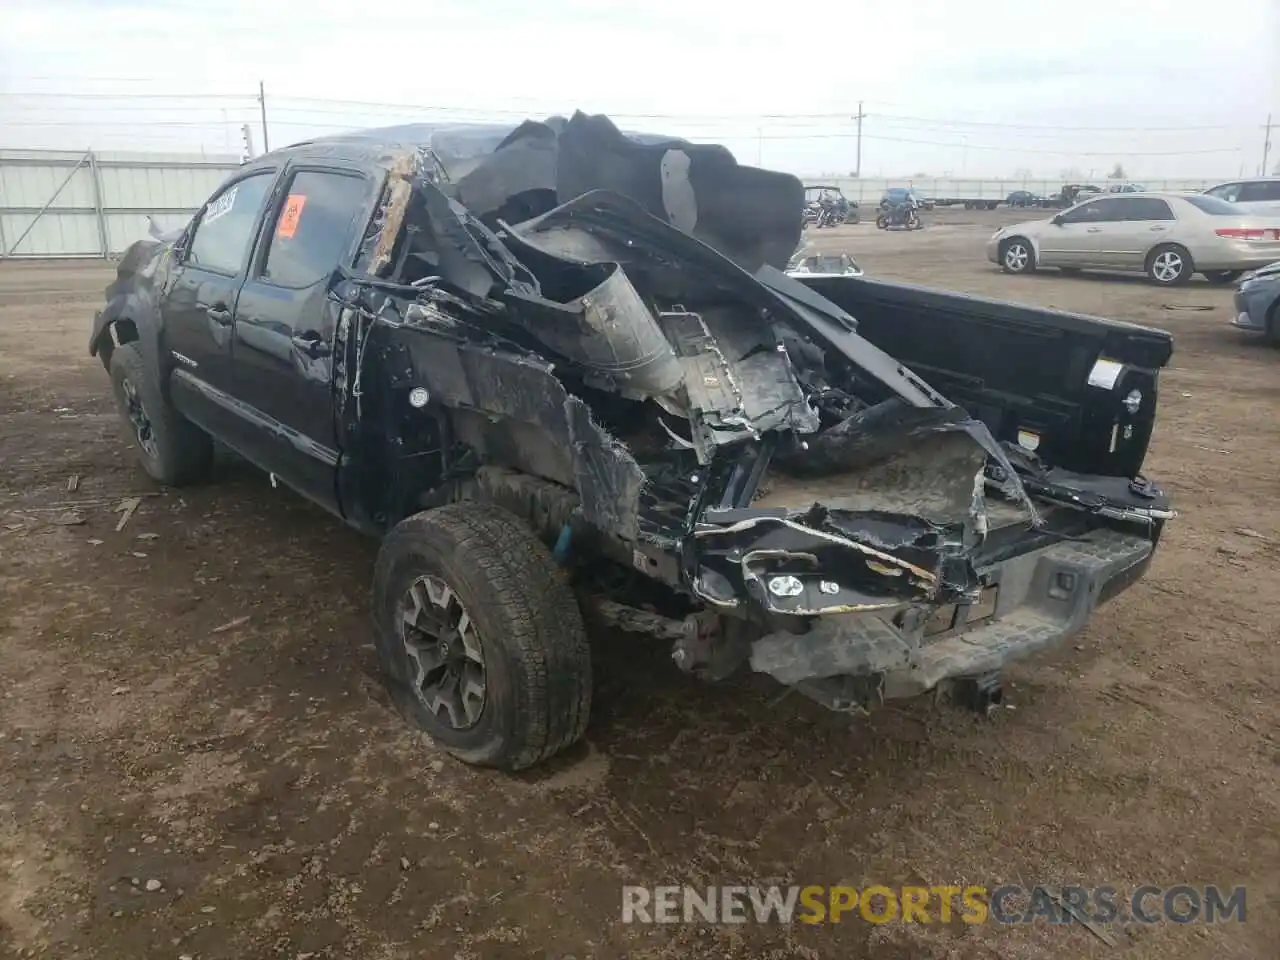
x: 1258, y: 303
x: 896, y: 195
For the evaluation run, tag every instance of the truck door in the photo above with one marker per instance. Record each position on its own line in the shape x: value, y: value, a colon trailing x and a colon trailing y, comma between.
x: 198, y: 307
x: 285, y: 324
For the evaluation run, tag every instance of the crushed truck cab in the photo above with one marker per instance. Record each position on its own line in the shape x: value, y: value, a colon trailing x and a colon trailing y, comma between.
x: 862, y: 489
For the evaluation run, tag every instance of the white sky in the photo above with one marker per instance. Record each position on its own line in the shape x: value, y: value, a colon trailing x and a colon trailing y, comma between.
x: 985, y: 87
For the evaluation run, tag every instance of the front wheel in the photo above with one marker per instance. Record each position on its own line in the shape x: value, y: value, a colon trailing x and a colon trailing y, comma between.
x: 882, y: 222
x: 480, y: 636
x: 1170, y: 265
x: 1017, y: 256
x: 1223, y: 276
x: 173, y: 450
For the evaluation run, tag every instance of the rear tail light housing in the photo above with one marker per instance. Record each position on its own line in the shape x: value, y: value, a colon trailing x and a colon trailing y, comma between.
x: 1249, y: 233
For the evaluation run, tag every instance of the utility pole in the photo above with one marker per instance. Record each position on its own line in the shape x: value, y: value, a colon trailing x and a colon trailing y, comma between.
x: 1266, y: 147
x: 262, y: 102
x: 857, y: 167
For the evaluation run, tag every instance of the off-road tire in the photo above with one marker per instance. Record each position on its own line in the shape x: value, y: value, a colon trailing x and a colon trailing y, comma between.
x: 882, y: 222
x: 537, y: 661
x: 1188, y: 266
x: 182, y: 452
x: 1011, y: 264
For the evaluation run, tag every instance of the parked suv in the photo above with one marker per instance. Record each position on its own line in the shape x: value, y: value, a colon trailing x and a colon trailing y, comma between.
x: 1257, y: 196
x: 551, y: 402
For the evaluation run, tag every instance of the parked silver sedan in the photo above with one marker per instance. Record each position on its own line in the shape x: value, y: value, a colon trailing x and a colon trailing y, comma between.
x: 1168, y: 236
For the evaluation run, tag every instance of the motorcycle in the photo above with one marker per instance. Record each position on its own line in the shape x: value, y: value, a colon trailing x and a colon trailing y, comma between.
x: 899, y: 215
x: 829, y: 214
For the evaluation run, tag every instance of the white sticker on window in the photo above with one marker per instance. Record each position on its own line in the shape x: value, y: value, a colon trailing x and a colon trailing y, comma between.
x: 221, y: 206
x: 1105, y: 373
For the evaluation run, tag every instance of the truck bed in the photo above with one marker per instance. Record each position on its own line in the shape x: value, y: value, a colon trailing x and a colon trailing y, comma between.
x: 1031, y: 374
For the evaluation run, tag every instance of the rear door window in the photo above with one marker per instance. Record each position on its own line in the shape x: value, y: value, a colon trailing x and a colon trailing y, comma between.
x: 226, y: 227
x: 1146, y: 208
x: 1213, y: 206
x: 312, y: 233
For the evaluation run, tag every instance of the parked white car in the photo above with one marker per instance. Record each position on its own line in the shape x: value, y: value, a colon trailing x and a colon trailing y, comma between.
x: 1168, y: 236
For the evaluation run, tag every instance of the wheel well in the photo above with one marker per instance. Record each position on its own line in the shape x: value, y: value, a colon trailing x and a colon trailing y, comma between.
x: 126, y: 330
x: 116, y: 333
x: 1004, y: 244
x: 1169, y: 246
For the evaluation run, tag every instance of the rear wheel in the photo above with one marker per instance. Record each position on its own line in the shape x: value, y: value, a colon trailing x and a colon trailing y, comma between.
x: 173, y: 450
x: 1222, y: 276
x: 1170, y: 265
x: 481, y: 637
x: 1017, y: 256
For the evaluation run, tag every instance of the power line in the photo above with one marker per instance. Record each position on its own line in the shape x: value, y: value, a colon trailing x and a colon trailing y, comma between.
x: 843, y: 116
x: 743, y: 135
x: 1055, y: 126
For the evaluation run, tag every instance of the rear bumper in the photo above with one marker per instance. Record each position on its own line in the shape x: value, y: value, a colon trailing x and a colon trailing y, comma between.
x: 1042, y: 598
x: 1235, y: 255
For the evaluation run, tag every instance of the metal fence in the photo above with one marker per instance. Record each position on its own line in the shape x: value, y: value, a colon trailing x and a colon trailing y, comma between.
x: 72, y: 204
x: 869, y: 189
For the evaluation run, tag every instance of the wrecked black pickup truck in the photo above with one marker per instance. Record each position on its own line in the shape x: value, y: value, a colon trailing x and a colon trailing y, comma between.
x: 561, y: 372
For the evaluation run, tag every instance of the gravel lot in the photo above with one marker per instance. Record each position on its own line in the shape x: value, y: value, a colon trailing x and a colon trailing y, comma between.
x: 258, y: 775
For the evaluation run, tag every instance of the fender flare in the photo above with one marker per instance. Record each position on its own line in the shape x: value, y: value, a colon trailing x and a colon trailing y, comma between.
x: 131, y: 317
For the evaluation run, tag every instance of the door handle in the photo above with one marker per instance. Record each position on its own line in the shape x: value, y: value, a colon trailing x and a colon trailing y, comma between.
x: 219, y: 314
x: 313, y: 347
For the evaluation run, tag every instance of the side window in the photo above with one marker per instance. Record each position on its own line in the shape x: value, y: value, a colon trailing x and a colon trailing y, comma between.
x: 313, y: 231
x: 1146, y: 208
x: 1259, y: 190
x: 225, y: 231
x: 1229, y: 192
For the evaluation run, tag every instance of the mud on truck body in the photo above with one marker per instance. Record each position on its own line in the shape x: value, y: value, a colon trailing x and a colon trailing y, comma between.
x: 560, y: 371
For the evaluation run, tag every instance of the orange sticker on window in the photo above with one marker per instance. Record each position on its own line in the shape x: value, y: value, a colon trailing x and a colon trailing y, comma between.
x: 290, y: 215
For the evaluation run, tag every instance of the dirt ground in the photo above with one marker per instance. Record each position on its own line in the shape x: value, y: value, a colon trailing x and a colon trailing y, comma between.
x: 257, y: 773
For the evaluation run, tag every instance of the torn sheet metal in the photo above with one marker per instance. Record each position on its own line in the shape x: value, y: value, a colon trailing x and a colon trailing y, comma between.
x: 730, y: 400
